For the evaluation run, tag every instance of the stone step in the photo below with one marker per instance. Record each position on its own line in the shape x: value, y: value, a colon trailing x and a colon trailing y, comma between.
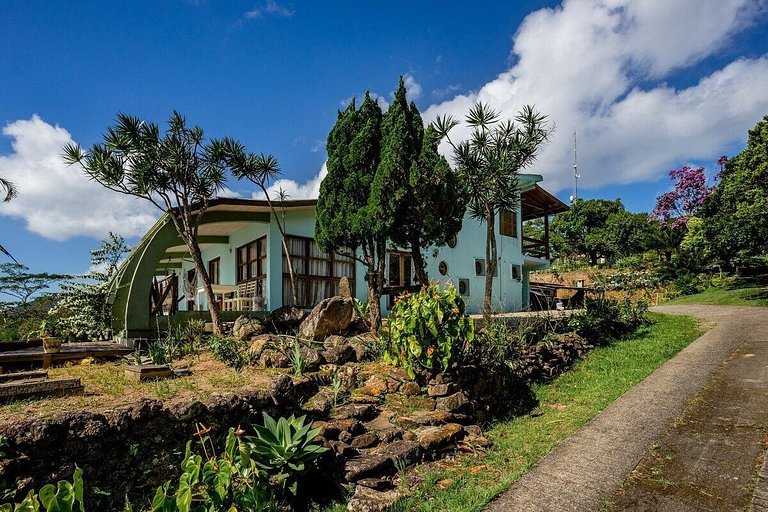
x: 33, y: 374
x: 15, y: 390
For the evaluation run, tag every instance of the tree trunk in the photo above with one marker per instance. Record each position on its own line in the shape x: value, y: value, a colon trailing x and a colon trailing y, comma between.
x: 374, y: 296
x: 490, y: 261
x: 418, y: 264
x: 292, y: 276
x: 213, y: 306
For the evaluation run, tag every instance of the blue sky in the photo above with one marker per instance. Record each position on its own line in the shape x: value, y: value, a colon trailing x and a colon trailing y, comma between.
x: 648, y: 85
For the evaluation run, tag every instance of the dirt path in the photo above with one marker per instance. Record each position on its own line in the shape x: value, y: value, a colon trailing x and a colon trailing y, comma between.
x: 691, y: 436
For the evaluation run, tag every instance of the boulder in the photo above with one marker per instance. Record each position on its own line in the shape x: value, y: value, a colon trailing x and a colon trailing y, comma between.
x: 319, y: 404
x: 339, y: 355
x: 366, y: 440
x: 344, y: 290
x: 437, y: 437
x: 261, y: 343
x: 245, y: 328
x: 273, y: 359
x: 362, y: 412
x: 375, y: 386
x: 381, y: 460
x: 410, y: 388
x: 333, y: 341
x: 312, y: 358
x: 285, y: 318
x: 452, y: 403
x: 331, y: 316
x: 441, y: 389
x: 282, y: 390
x: 367, y: 499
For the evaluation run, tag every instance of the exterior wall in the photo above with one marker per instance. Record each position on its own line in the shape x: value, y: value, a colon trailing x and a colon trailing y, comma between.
x: 470, y: 244
x: 509, y: 294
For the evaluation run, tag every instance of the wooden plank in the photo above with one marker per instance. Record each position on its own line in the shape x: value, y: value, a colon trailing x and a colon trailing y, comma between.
x: 39, y: 388
x: 34, y: 374
x: 148, y: 372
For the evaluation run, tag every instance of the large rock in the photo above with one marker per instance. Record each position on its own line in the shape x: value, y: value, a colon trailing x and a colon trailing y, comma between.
x: 381, y: 460
x: 344, y: 290
x: 285, y: 318
x: 367, y: 499
x: 245, y: 328
x: 331, y: 316
x: 261, y: 343
x: 339, y: 355
x: 437, y: 437
x: 453, y: 403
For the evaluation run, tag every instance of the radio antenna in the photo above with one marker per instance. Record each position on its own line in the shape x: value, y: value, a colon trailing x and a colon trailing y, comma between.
x: 576, y: 176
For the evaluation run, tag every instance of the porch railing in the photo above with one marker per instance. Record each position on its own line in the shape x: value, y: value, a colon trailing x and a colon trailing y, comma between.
x: 535, y: 247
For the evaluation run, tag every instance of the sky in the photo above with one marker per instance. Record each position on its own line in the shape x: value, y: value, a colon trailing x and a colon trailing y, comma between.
x: 647, y: 85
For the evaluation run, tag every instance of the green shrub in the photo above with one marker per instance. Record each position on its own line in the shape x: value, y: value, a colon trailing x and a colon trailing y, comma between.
x: 285, y: 449
x: 687, y: 284
x: 603, y: 320
x: 61, y: 497
x: 427, y: 329
x: 230, y: 351
x: 227, y: 483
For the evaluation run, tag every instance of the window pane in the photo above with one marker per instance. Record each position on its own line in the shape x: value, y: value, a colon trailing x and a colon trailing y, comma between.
x: 407, y: 271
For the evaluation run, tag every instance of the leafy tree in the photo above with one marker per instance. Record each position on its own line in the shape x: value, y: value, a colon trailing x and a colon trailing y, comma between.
x: 489, y: 162
x: 628, y: 233
x: 261, y: 170
x: 83, y: 307
x: 178, y: 172
x: 583, y: 229
x: 19, y: 283
x: 735, y: 214
x: 675, y: 207
x: 343, y: 220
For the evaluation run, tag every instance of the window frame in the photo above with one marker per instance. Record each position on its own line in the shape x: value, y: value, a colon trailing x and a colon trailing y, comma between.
x: 243, y: 268
x: 508, y: 223
x: 306, y: 279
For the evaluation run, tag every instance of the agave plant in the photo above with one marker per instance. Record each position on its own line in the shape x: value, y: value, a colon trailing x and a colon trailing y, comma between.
x: 285, y: 449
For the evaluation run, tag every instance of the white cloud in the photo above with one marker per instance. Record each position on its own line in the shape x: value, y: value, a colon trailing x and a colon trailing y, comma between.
x: 58, y: 201
x: 294, y: 190
x: 588, y: 65
x: 271, y: 8
x: 412, y: 87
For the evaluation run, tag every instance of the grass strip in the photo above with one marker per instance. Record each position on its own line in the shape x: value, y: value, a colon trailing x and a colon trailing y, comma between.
x: 723, y: 296
x: 565, y: 404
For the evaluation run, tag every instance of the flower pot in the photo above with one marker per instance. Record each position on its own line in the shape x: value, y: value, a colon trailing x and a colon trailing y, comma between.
x: 51, y: 345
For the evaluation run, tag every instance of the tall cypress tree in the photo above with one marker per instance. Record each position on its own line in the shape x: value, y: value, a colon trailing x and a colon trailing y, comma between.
x: 436, y: 204
x: 344, y: 221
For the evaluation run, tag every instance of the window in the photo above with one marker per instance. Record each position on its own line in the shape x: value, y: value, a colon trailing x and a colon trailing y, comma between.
x: 214, y: 273
x: 317, y: 273
x: 452, y: 241
x: 464, y: 287
x: 399, y: 269
x: 508, y: 223
x: 442, y: 268
x: 516, y: 272
x: 252, y: 260
x: 480, y: 268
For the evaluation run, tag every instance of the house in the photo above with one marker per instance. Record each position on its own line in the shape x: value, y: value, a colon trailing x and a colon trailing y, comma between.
x: 241, y: 247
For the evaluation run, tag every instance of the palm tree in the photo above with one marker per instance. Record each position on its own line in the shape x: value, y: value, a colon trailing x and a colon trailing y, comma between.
x: 9, y: 189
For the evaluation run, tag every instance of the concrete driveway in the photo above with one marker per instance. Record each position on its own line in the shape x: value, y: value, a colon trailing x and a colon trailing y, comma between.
x: 691, y: 436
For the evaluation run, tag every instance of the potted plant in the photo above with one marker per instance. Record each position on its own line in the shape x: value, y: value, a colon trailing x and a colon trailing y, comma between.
x: 49, y: 333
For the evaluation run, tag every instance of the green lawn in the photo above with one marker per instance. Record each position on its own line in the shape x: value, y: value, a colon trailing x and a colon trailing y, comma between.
x: 565, y: 405
x: 727, y: 296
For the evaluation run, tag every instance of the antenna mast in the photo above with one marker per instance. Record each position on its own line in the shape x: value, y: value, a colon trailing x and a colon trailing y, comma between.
x: 576, y: 176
